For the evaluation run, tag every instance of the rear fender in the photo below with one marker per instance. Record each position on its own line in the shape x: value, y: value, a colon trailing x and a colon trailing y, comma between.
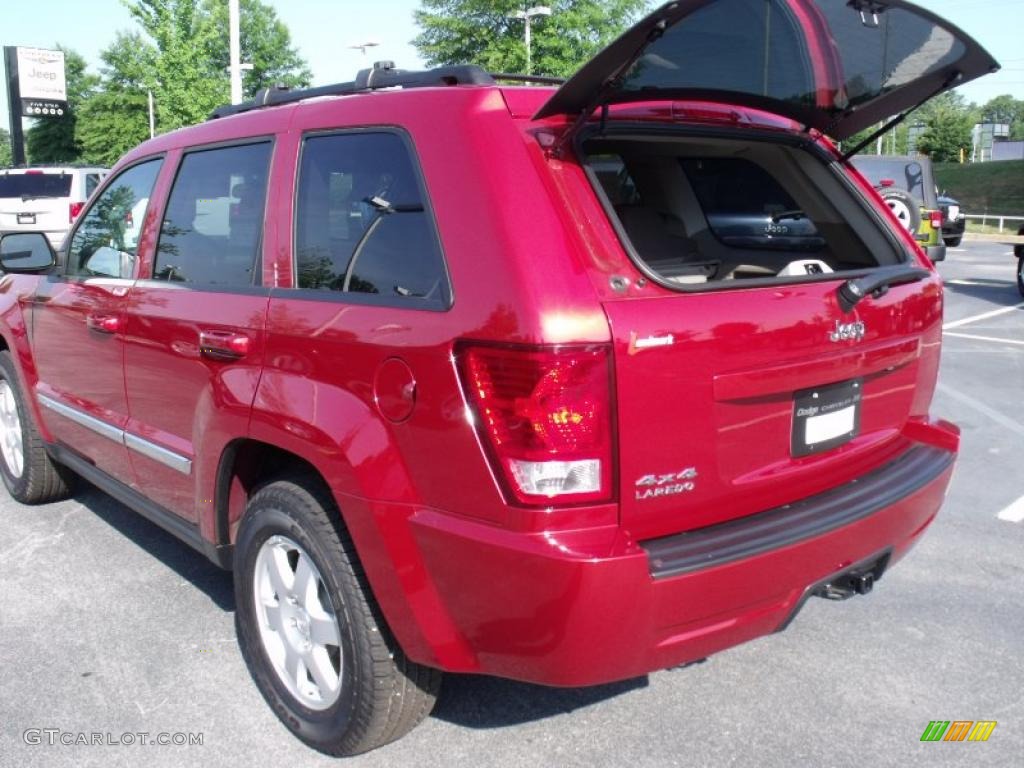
x: 353, y: 449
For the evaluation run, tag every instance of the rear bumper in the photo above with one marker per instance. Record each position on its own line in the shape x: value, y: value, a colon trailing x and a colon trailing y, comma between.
x: 551, y: 609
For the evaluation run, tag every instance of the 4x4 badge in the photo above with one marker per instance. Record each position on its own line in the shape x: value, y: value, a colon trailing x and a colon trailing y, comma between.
x: 848, y: 331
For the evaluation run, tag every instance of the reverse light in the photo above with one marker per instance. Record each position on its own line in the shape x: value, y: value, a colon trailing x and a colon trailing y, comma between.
x: 545, y: 416
x: 73, y: 210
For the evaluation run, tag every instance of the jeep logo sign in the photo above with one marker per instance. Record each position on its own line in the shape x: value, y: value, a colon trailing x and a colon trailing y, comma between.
x: 848, y: 331
x: 41, y: 82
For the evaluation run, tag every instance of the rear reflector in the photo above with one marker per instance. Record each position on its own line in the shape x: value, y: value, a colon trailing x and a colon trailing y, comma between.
x: 544, y: 416
x: 73, y: 210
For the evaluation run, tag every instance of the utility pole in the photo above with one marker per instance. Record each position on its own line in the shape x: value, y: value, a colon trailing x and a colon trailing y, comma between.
x: 14, y: 106
x: 525, y: 16
x: 236, y: 52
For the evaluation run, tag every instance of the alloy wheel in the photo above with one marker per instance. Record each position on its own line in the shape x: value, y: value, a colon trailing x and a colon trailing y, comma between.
x: 297, y: 624
x: 11, y: 435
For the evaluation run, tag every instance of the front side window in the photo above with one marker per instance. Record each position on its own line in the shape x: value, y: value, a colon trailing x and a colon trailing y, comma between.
x: 106, y: 241
x: 361, y: 226
x: 211, y: 230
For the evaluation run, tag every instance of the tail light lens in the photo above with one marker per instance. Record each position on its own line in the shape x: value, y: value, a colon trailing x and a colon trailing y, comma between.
x: 936, y: 217
x: 73, y: 210
x: 545, y: 417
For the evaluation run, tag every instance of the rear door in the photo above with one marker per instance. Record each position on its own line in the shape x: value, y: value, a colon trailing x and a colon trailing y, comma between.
x: 735, y: 397
x: 194, y: 338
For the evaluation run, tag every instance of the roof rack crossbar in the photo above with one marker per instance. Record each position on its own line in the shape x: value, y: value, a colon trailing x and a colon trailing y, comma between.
x: 382, y: 75
x: 513, y: 77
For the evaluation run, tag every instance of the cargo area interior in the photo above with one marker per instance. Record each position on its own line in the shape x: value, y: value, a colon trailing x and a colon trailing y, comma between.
x: 701, y: 212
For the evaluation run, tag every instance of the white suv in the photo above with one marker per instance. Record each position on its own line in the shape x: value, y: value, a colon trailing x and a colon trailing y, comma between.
x: 45, y: 199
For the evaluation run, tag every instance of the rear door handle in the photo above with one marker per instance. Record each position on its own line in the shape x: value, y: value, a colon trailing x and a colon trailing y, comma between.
x: 224, y: 345
x: 103, y: 323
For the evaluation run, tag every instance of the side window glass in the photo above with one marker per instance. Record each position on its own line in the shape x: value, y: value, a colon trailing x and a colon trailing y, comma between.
x: 92, y: 181
x: 211, y: 230
x: 361, y: 225
x: 106, y: 241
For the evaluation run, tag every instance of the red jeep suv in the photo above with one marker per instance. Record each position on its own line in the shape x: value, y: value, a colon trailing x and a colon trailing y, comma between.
x: 561, y: 385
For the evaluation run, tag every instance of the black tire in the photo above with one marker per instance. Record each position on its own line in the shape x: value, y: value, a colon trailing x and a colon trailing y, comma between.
x: 41, y: 479
x: 382, y: 695
x: 1018, y: 250
x: 905, y: 206
x: 1020, y: 275
x: 953, y: 242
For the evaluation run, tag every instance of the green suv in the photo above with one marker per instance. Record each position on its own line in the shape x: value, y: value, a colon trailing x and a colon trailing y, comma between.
x: 908, y: 187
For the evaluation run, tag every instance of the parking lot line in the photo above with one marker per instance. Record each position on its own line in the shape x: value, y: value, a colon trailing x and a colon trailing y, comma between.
x: 1013, y: 513
x: 980, y: 407
x: 984, y: 338
x: 982, y: 316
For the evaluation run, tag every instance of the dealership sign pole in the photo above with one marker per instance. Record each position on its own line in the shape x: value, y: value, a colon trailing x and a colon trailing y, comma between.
x: 36, y: 87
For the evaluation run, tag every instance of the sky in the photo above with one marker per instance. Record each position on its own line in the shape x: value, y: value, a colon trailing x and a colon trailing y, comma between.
x: 322, y: 30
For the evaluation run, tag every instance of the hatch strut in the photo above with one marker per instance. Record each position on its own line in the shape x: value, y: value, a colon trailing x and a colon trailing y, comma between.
x: 613, y: 82
x: 896, y: 120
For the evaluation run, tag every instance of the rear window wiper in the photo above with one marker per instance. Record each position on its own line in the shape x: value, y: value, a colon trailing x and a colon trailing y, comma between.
x: 876, y: 283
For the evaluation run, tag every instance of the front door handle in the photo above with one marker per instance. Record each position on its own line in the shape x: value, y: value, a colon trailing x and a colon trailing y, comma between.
x: 103, y: 323
x: 224, y: 345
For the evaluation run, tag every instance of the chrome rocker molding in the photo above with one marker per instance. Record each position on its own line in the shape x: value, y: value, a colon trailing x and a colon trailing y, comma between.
x: 150, y: 450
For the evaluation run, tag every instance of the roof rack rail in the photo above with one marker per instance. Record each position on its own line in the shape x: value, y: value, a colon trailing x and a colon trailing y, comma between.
x: 520, y: 78
x: 382, y: 75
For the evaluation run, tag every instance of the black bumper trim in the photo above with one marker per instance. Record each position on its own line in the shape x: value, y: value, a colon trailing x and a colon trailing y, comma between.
x: 815, y: 515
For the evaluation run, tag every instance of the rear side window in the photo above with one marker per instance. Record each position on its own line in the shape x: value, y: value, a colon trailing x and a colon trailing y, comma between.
x: 106, y: 241
x: 35, y: 185
x: 361, y: 225
x: 92, y: 180
x: 211, y: 230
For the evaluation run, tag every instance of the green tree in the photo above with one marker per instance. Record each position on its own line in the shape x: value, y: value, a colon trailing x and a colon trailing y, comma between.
x: 183, y: 55
x: 5, y: 148
x: 1006, y: 109
x: 949, y: 119
x: 480, y: 32
x: 52, y: 139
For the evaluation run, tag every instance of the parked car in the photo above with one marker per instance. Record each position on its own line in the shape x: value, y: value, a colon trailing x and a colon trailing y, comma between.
x: 953, y: 221
x: 45, y: 198
x: 444, y: 398
x: 907, y: 185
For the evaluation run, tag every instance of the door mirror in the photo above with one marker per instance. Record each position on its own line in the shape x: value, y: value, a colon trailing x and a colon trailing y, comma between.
x: 25, y: 252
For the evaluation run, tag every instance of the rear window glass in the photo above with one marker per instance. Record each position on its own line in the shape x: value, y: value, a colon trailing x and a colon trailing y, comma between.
x: 768, y: 51
x: 35, y: 185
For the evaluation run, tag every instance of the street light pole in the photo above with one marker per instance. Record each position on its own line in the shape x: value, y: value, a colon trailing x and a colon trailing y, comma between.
x: 525, y: 17
x: 235, y: 47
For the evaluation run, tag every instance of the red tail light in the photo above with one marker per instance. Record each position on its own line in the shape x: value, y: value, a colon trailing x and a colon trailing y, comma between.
x: 545, y: 416
x: 936, y: 217
x: 73, y: 210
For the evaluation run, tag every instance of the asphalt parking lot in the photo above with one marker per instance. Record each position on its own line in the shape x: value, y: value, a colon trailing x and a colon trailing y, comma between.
x: 109, y: 625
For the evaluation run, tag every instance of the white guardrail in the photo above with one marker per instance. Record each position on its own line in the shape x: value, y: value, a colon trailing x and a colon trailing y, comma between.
x: 986, y: 217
